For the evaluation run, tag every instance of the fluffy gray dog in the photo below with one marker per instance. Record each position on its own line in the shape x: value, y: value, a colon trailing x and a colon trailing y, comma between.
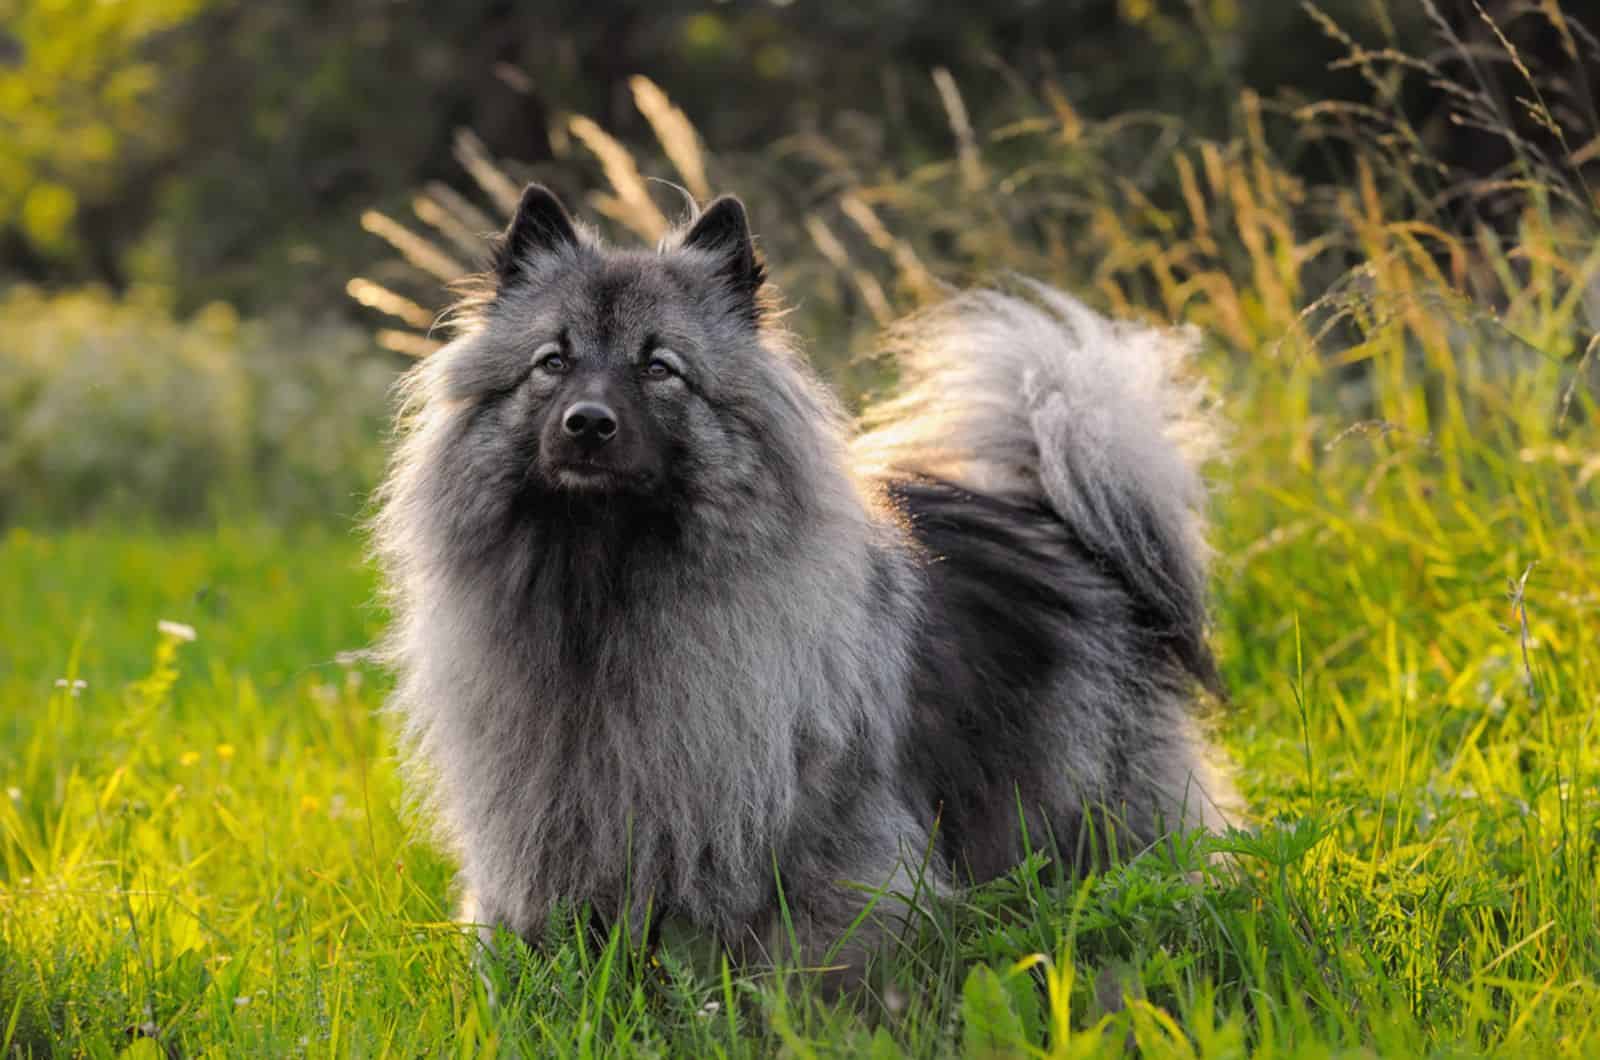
x: 668, y: 639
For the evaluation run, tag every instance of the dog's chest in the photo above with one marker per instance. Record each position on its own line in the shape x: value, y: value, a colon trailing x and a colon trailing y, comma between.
x: 669, y: 756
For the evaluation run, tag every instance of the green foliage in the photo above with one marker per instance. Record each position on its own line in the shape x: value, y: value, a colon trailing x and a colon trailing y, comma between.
x: 228, y: 147
x: 79, y: 110
x: 115, y: 408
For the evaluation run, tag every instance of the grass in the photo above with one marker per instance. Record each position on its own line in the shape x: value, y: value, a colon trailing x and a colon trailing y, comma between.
x: 205, y: 848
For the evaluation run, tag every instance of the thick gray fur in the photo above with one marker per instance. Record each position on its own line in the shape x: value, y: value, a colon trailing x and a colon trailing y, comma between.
x: 763, y: 647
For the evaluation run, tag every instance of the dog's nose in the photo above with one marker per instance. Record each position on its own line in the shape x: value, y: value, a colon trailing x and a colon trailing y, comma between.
x: 590, y: 424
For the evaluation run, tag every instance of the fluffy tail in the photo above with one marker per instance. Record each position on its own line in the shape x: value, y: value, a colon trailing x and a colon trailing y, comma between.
x: 1036, y: 398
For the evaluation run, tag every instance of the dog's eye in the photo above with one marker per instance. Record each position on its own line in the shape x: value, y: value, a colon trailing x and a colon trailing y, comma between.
x: 659, y: 368
x: 549, y: 358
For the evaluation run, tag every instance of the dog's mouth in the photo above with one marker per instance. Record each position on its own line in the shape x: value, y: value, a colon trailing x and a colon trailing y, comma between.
x: 585, y: 477
x: 588, y: 476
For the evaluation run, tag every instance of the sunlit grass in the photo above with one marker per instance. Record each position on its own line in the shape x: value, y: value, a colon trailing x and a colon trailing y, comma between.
x: 204, y: 847
x: 206, y: 844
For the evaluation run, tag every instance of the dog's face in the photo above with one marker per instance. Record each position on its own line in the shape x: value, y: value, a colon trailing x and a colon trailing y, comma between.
x: 616, y: 378
x: 607, y: 364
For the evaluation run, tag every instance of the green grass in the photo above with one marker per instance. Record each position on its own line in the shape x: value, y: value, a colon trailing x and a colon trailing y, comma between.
x: 207, y: 849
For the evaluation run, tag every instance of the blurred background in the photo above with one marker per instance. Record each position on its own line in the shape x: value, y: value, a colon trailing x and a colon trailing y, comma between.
x: 225, y: 227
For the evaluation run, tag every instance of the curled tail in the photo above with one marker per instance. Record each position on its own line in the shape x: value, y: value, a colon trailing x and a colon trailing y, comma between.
x: 1035, y: 398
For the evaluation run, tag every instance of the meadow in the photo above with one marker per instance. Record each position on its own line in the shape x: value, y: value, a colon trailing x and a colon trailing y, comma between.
x: 205, y: 847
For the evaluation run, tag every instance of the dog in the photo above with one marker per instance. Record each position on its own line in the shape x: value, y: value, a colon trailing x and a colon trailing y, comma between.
x: 675, y: 639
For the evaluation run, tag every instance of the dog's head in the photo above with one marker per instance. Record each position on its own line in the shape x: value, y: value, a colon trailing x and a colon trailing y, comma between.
x: 606, y: 369
x: 593, y: 379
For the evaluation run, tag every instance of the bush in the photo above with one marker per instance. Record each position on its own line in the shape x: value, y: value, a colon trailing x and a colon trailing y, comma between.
x: 113, y: 407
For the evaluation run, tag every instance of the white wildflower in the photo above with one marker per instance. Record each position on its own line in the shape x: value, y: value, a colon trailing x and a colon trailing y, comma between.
x: 176, y: 630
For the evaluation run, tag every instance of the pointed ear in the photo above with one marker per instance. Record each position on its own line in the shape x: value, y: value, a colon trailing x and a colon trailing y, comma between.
x: 540, y: 226
x: 723, y: 230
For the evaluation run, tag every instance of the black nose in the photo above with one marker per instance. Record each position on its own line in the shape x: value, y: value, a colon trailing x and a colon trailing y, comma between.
x: 590, y: 424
